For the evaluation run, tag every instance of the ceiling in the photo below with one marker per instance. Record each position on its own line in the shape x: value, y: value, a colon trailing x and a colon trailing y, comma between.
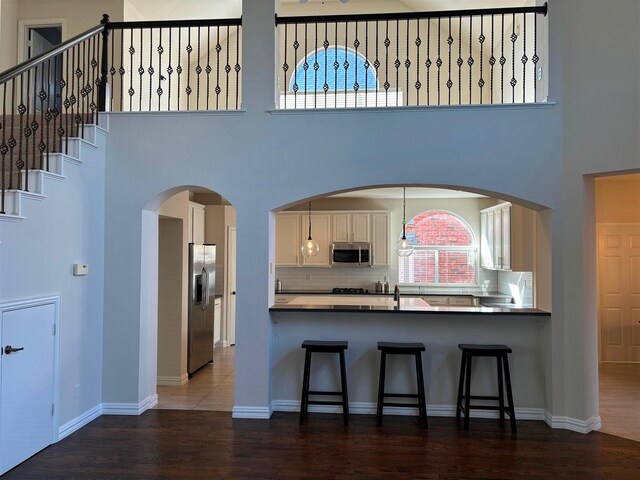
x: 183, y: 9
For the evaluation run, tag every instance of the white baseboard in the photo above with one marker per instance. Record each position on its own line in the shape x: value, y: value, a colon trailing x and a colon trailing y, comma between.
x: 573, y: 424
x: 130, y: 408
x: 79, y: 422
x: 369, y: 408
x: 169, y: 381
x: 261, y: 413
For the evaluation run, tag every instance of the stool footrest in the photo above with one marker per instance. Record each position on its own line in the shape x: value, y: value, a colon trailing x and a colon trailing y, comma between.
x: 487, y: 407
x: 401, y: 395
x: 399, y: 404
x: 324, y: 393
x: 481, y: 397
x: 323, y: 402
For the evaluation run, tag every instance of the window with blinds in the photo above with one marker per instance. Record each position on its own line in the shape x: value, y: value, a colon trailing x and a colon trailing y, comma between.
x: 445, y: 251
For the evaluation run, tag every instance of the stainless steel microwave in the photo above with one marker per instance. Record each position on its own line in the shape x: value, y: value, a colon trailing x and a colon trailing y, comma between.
x: 355, y: 254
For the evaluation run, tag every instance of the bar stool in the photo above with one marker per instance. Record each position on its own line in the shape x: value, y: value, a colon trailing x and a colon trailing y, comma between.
x: 500, y: 353
x: 415, y: 349
x: 319, y: 346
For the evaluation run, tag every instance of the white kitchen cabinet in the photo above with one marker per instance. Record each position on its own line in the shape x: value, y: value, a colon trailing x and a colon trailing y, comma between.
x: 217, y: 321
x: 196, y: 223
x: 321, y: 233
x: 288, y: 241
x: 507, y: 235
x: 350, y: 227
x: 380, y: 239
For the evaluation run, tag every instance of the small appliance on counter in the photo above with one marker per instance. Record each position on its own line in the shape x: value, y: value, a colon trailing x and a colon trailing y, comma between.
x: 386, y: 286
x: 349, y: 291
x: 378, y: 287
x: 278, y: 286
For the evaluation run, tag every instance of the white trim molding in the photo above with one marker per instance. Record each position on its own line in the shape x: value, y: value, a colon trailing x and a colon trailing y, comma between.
x: 130, y: 408
x: 573, y: 424
x: 369, y: 408
x: 172, y: 381
x: 260, y: 413
x: 79, y: 422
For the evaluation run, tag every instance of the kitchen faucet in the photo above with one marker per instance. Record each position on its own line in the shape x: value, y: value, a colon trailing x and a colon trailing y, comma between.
x: 396, y: 296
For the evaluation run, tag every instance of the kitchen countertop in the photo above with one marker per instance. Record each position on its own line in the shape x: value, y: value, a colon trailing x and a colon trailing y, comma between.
x: 412, y: 294
x: 407, y: 305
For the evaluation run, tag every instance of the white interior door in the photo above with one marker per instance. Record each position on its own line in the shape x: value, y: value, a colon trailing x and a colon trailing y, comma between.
x: 230, y: 313
x: 26, y: 409
x: 619, y: 292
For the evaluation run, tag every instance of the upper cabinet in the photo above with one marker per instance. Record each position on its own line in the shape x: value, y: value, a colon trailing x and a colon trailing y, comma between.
x: 351, y: 227
x: 196, y: 223
x: 327, y: 228
x: 321, y: 233
x: 507, y: 238
x: 288, y: 240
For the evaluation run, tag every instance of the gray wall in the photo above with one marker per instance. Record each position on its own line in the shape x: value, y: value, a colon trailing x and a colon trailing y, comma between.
x: 36, y: 258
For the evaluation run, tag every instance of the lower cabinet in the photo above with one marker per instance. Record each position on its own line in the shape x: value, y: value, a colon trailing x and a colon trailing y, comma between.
x: 453, y: 301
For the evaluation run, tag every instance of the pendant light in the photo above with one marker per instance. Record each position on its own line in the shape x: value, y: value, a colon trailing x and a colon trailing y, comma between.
x: 403, y: 247
x: 310, y: 247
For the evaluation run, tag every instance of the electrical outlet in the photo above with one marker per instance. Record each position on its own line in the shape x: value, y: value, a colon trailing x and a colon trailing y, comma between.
x: 308, y: 277
x: 76, y: 392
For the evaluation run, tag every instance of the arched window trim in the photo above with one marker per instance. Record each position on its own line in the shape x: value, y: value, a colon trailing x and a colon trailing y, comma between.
x: 330, y: 70
x: 473, y: 249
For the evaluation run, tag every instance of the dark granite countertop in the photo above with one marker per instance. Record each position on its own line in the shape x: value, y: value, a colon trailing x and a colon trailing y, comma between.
x: 410, y: 310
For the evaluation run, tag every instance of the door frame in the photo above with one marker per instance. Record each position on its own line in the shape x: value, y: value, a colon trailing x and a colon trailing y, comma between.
x: 36, y: 302
x: 25, y: 25
x: 227, y: 287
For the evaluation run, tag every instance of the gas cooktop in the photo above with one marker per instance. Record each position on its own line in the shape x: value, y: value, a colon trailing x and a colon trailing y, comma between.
x: 350, y: 291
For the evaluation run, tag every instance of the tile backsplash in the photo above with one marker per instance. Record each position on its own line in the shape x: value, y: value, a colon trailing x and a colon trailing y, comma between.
x: 324, y: 279
x: 517, y: 284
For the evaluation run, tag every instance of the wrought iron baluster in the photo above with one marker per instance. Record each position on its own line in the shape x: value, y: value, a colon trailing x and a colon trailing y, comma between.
x: 356, y: 85
x: 481, y: 39
x: 427, y: 62
x: 514, y: 37
x: 407, y: 63
x: 26, y: 132
x: 367, y: 65
x: 198, y: 72
x: 64, y: 132
x: 535, y: 57
x: 503, y: 60
x: 227, y: 69
x: 397, y: 62
x: 208, y: 67
x: 151, y: 70
x: 439, y: 60
x: 418, y: 43
x: 492, y: 59
x: 296, y: 45
x: 95, y: 80
x: 82, y: 77
x: 141, y: 70
x: 12, y: 140
x: 161, y: 77
x: 169, y: 71
x: 285, y: 67
x: 3, y: 149
x: 40, y: 127
x: 387, y: 42
x: 524, y: 58
x: 346, y: 61
x: 449, y: 48
x: 316, y: 66
x: 132, y: 51
x: 188, y: 90
x: 121, y: 70
x: 237, y: 68
x: 112, y: 69
x: 305, y: 65
x: 22, y: 109
x: 179, y: 67
x: 470, y: 61
x: 48, y: 115
x: 218, y: 50
x: 325, y: 44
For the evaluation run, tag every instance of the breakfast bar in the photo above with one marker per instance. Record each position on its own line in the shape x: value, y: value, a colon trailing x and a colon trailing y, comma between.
x: 363, y: 322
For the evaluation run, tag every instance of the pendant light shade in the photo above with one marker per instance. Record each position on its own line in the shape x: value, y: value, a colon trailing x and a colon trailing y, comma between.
x: 310, y: 247
x: 403, y: 247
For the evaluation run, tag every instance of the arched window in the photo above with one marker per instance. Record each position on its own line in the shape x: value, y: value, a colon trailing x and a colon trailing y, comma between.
x: 445, y: 250
x: 333, y: 69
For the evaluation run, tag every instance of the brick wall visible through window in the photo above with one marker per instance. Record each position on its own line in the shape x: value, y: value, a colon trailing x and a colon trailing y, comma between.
x: 445, y: 251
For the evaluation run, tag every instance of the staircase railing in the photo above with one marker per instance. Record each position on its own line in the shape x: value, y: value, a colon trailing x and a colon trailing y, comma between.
x: 123, y: 66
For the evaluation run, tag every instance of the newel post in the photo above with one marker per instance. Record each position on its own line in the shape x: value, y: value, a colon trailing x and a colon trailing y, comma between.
x: 102, y: 92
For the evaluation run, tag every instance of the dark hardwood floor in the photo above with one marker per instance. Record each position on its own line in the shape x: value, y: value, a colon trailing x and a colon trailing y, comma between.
x: 171, y: 444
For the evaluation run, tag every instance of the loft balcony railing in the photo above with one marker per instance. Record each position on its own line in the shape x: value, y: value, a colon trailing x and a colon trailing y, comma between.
x: 126, y: 67
x: 483, y: 56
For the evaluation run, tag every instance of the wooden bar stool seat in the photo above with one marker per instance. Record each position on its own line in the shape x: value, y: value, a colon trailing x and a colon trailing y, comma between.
x: 322, y: 346
x: 391, y: 348
x: 464, y: 386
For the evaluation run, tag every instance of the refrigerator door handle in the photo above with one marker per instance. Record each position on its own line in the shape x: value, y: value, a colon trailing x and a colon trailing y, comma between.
x: 205, y: 290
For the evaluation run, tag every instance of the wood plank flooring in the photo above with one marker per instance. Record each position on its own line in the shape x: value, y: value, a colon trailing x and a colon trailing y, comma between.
x: 172, y: 444
x: 620, y: 399
x: 210, y: 388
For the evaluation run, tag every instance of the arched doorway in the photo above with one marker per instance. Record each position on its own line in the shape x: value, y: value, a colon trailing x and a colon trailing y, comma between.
x: 195, y: 326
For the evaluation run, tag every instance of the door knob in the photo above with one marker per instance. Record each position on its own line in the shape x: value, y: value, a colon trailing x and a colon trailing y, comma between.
x: 9, y: 349
x: 233, y: 293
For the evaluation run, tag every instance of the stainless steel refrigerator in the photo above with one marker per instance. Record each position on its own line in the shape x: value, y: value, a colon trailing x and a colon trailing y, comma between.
x: 202, y: 279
